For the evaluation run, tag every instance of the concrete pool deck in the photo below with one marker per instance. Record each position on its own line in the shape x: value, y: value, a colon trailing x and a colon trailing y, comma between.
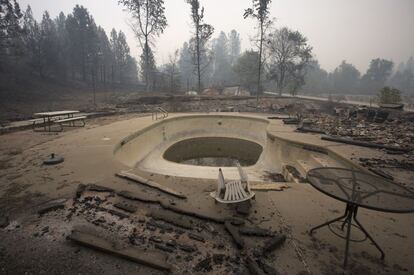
x: 89, y: 158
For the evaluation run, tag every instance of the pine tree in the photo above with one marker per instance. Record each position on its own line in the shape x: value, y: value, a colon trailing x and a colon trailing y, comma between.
x: 149, y: 22
x: 198, y: 44
x: 234, y: 46
x: 10, y: 32
x: 148, y: 67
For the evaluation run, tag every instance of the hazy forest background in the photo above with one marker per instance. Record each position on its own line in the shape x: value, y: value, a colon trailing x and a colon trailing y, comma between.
x: 70, y: 57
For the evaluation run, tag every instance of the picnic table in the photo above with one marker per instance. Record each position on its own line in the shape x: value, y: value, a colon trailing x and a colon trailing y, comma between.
x: 359, y: 189
x: 57, y: 117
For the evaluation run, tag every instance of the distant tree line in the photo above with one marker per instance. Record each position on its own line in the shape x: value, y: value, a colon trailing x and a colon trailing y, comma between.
x: 66, y: 48
x: 218, y: 60
x: 347, y: 79
x: 279, y: 59
x: 217, y: 63
x: 73, y: 48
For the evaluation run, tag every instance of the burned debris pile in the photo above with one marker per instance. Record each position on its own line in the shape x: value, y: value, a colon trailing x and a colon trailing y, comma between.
x: 166, y: 238
x: 391, y: 130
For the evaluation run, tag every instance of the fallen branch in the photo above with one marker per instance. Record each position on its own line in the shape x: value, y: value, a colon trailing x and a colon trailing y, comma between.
x: 172, y: 218
x: 99, y: 188
x: 310, y: 130
x: 151, y: 184
x: 146, y: 199
x: 49, y: 207
x: 291, y: 121
x: 269, y: 187
x: 278, y: 117
x: 255, y: 231
x: 234, y: 232
x: 149, y: 258
x: 253, y: 267
x: 365, y: 144
x: 112, y: 212
x: 126, y: 207
x: 274, y: 243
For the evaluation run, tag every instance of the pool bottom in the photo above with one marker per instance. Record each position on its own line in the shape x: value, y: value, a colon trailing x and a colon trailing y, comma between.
x: 218, y: 162
x: 214, y: 151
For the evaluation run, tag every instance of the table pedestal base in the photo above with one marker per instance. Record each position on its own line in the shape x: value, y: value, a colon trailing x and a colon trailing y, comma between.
x: 349, y: 215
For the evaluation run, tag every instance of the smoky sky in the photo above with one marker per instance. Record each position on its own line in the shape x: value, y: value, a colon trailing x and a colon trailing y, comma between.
x: 352, y: 30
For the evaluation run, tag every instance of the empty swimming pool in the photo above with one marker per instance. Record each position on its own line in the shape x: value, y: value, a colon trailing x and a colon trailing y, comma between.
x: 195, y: 145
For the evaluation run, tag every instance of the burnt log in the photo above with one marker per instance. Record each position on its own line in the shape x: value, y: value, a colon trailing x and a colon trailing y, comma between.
x: 364, y: 144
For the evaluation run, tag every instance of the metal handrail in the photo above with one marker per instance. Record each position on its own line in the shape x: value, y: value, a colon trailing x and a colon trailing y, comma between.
x: 159, y: 110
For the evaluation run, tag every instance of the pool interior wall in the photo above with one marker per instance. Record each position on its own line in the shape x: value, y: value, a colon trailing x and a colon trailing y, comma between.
x: 146, y: 148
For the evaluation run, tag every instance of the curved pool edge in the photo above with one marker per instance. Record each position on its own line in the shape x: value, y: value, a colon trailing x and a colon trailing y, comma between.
x: 325, y: 149
x: 180, y: 117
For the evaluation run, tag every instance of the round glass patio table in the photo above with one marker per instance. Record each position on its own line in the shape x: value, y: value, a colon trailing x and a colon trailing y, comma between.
x: 359, y: 189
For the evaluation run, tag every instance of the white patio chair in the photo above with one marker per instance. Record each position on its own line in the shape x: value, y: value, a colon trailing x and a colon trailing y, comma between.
x: 233, y: 191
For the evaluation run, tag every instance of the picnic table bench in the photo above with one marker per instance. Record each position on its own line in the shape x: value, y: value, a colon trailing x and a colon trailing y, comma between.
x: 60, y: 118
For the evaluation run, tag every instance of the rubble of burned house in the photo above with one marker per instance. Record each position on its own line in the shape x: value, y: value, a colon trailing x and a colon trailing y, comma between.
x: 379, y: 126
x: 235, y: 103
x: 391, y: 132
